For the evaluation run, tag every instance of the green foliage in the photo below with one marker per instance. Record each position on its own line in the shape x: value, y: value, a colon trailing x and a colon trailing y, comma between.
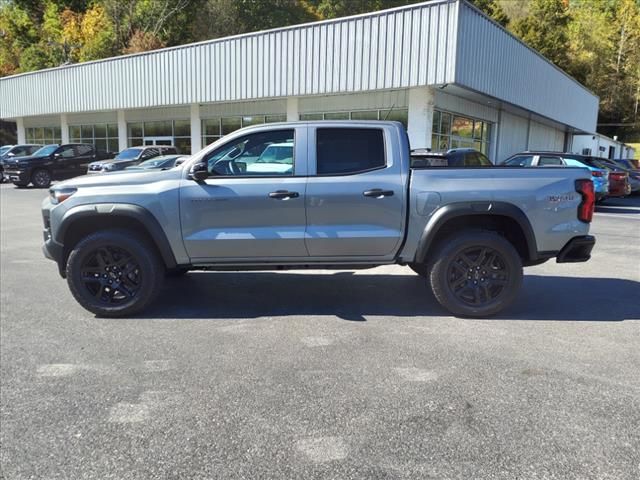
x: 494, y: 9
x: 545, y: 29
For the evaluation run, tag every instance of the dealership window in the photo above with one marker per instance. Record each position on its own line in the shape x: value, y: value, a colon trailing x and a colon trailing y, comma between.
x: 215, y: 128
x: 43, y: 135
x: 174, y: 132
x: 457, y: 131
x: 104, y: 136
x: 401, y: 115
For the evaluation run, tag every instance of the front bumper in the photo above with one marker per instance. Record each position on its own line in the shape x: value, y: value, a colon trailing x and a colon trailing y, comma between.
x: 52, y: 249
x: 578, y: 249
x: 17, y: 175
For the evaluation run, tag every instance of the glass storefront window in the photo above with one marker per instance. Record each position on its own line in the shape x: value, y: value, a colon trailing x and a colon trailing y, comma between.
x: 336, y: 116
x: 445, y: 124
x: 275, y: 118
x: 230, y: 124
x: 182, y: 128
x: 457, y: 131
x: 309, y: 117
x: 43, y: 135
x: 97, y: 135
x: 134, y: 129
x: 86, y: 131
x: 161, y: 128
x: 462, y: 127
x: 401, y: 115
x: 365, y: 115
x: 211, y: 127
x: 253, y: 120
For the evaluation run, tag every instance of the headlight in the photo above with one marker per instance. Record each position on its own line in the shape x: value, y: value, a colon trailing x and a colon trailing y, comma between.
x: 108, y: 167
x: 60, y: 195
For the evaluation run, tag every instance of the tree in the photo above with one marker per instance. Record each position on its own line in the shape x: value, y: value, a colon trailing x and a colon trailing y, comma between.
x: 545, y: 29
x: 493, y: 9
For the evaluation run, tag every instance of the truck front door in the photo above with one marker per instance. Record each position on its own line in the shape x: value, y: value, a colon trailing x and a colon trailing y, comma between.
x: 355, y: 193
x: 252, y: 204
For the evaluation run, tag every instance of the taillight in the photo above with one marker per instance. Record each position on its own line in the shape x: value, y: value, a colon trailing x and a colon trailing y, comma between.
x: 585, y: 209
x: 596, y: 173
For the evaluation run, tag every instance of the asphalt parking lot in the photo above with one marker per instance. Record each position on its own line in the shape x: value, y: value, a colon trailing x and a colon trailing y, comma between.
x: 322, y: 374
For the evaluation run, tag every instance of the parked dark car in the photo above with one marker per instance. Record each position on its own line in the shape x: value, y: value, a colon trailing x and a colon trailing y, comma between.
x: 456, y: 157
x: 52, y: 162
x: 619, y: 185
x: 628, y: 163
x: 633, y: 176
x: 131, y: 156
x: 12, y: 151
x: 162, y: 162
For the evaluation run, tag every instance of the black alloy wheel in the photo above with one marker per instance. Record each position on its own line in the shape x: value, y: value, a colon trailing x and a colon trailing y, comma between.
x: 41, y: 178
x: 111, y: 274
x: 114, y: 273
x: 475, y: 273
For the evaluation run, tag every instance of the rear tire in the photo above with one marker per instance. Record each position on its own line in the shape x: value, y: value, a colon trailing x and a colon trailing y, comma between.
x: 475, y: 273
x: 114, y: 273
x: 41, y: 178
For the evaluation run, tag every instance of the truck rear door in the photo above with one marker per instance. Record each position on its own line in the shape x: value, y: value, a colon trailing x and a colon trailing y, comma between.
x: 355, y: 202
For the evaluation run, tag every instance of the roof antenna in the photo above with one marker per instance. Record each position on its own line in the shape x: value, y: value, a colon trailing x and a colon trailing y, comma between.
x: 389, y: 112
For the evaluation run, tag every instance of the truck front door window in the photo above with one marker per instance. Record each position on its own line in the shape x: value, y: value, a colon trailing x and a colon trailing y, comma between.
x: 267, y: 153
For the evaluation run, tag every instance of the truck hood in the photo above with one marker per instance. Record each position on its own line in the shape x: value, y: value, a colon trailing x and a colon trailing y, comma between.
x: 27, y: 158
x: 113, y: 160
x: 123, y: 177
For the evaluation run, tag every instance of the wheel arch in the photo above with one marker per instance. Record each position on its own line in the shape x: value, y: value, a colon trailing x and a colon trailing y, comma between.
x: 502, y: 217
x: 81, y: 221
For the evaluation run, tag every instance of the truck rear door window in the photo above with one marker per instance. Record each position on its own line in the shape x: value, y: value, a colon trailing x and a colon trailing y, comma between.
x: 344, y: 151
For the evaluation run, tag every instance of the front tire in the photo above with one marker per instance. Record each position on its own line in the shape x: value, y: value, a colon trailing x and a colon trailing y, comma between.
x: 476, y: 273
x: 114, y: 273
x: 41, y: 178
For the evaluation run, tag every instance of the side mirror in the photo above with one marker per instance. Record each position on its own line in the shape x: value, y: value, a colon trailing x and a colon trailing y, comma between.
x: 56, y: 155
x: 199, y: 172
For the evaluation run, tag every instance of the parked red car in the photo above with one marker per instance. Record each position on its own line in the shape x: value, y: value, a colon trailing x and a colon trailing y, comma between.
x: 619, y: 185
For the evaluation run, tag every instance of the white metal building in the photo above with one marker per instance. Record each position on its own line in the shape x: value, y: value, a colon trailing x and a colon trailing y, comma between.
x: 451, y: 74
x: 600, y: 146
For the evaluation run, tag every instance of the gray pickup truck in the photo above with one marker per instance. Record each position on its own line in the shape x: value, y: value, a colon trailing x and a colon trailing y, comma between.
x: 331, y: 195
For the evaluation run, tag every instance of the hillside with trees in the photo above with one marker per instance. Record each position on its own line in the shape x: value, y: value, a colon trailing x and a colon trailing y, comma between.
x: 595, y: 41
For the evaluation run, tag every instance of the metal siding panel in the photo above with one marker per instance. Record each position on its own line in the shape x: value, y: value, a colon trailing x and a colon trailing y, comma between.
x: 497, y: 64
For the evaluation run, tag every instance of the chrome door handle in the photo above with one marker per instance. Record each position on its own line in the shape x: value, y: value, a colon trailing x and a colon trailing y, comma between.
x: 378, y: 193
x: 283, y: 194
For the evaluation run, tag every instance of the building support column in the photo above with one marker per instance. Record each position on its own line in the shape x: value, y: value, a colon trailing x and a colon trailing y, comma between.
x: 293, y: 115
x: 122, y: 131
x: 196, y: 129
x: 21, y: 134
x: 64, y: 129
x: 420, y: 121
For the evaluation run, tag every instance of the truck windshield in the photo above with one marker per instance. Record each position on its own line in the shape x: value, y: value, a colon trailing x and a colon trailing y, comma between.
x: 128, y: 154
x: 46, y: 150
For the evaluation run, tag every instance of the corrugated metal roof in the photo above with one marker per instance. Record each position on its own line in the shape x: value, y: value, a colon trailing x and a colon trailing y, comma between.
x: 422, y: 44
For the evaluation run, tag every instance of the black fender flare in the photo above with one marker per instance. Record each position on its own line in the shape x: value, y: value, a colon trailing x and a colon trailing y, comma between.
x: 460, y: 209
x: 134, y: 212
